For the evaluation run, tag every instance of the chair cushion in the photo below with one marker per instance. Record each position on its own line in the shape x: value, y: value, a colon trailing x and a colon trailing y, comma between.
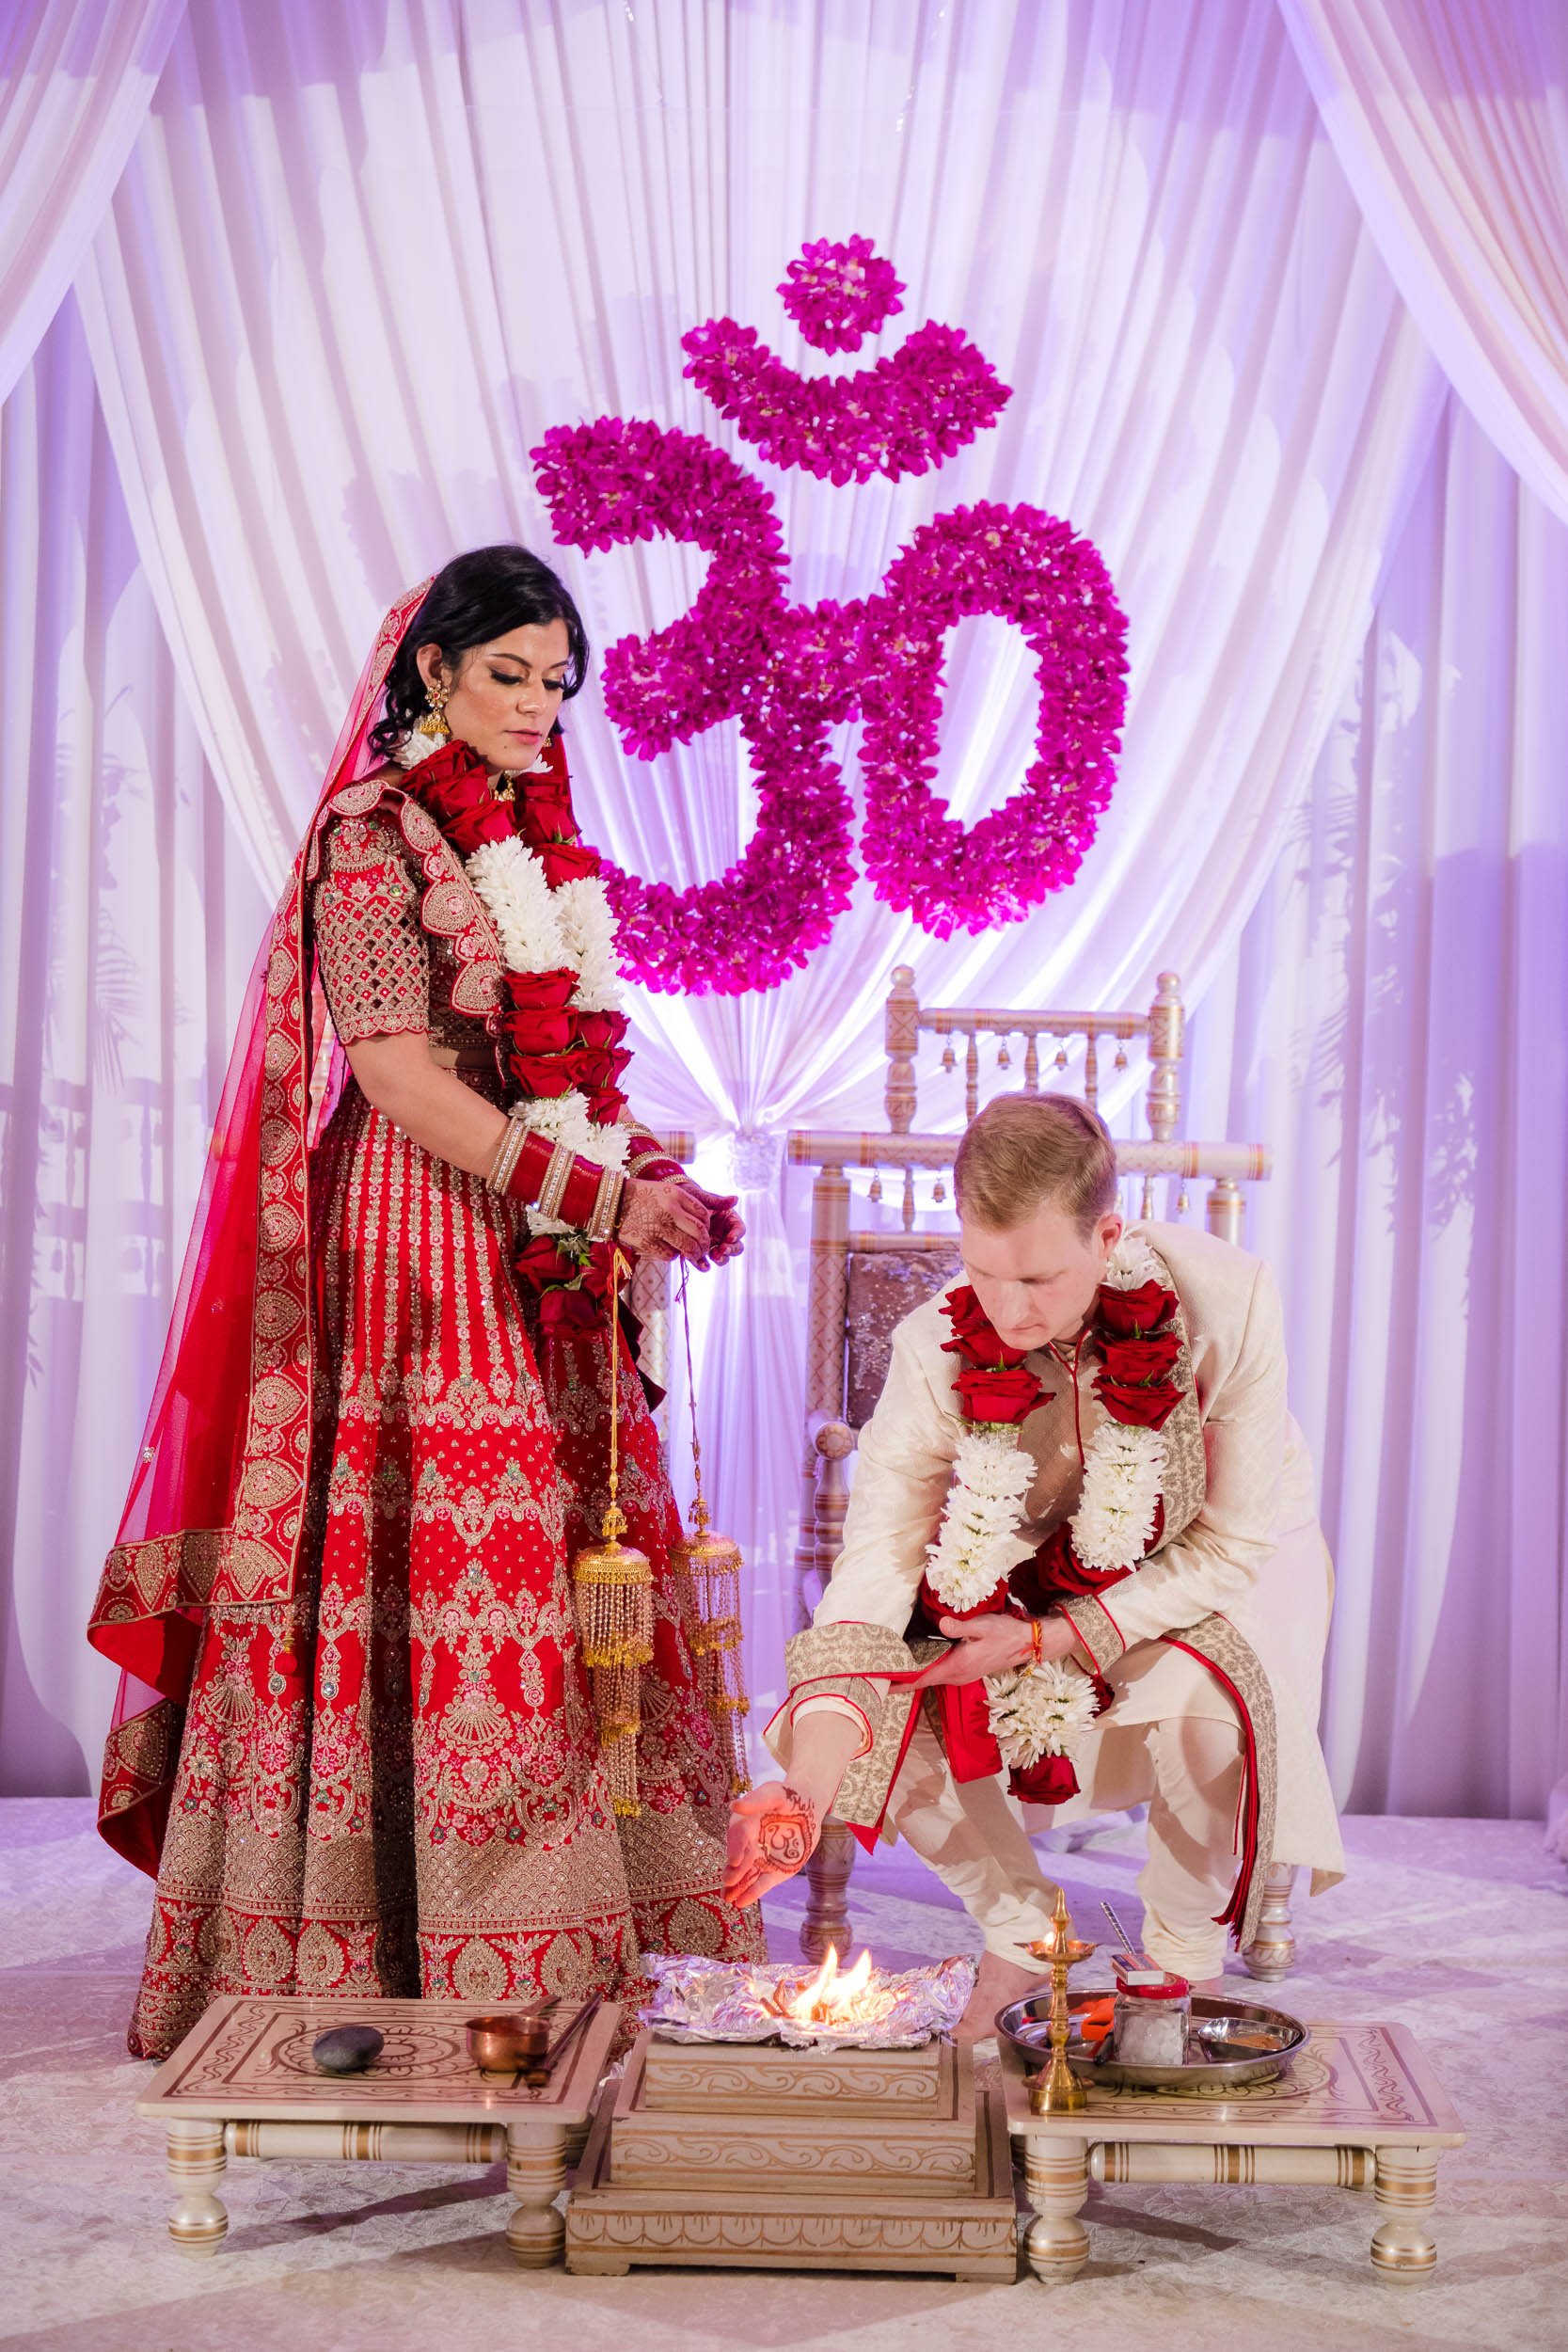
x: 885, y: 1285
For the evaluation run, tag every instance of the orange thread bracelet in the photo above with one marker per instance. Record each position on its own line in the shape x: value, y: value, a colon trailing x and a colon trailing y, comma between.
x: 1037, y: 1640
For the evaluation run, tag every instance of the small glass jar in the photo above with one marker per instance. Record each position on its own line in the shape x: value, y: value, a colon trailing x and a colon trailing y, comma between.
x: 1152, y: 2014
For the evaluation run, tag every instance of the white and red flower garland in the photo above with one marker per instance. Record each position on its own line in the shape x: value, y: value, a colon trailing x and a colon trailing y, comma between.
x: 544, y: 928
x: 790, y: 672
x: 1043, y: 1710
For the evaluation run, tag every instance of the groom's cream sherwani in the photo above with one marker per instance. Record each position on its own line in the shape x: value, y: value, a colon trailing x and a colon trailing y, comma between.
x: 1222, y: 1626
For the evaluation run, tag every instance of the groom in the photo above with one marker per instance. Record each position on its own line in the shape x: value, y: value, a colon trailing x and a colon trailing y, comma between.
x: 1081, y: 1460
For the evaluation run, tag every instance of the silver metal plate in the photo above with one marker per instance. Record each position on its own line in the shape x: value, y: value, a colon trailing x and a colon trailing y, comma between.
x: 1232, y: 2043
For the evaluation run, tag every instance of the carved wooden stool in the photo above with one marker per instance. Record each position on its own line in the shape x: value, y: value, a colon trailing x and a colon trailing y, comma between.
x: 242, y: 2083
x: 1360, y: 2110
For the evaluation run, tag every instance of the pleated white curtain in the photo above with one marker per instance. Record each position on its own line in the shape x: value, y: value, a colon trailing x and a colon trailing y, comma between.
x: 1450, y: 117
x: 362, y: 261
x: 76, y: 78
x: 128, y: 917
x: 362, y: 258
x: 1392, y: 1019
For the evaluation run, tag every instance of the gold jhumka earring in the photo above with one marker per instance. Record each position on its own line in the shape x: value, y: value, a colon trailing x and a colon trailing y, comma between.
x: 432, y: 719
x: 709, y: 1565
x: 615, y: 1588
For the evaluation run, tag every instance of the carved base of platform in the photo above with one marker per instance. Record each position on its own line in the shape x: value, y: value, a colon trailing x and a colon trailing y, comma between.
x: 750, y: 2156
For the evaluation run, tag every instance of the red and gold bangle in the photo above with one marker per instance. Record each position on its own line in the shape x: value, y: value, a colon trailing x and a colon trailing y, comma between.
x: 521, y: 1158
x: 650, y: 1167
x: 582, y: 1193
x: 557, y: 1177
x: 530, y: 1167
x: 507, y: 1152
x: 607, y: 1205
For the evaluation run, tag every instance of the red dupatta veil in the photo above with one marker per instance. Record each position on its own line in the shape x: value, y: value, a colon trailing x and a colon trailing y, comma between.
x: 218, y: 1499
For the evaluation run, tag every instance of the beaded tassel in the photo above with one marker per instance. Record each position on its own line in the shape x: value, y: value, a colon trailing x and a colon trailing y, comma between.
x: 613, y: 1585
x: 710, y: 1568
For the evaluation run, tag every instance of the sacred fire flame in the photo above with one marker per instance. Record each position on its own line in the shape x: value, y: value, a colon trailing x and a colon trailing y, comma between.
x: 830, y: 1997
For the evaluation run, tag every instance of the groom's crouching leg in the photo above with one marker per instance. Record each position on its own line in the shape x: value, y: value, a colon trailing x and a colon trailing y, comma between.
x: 969, y: 1834
x: 1191, y: 1862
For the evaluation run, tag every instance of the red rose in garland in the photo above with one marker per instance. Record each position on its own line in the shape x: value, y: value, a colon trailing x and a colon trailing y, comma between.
x: 454, y: 786
x: 1138, y: 1407
x: 566, y: 861
x: 1142, y: 1359
x: 972, y: 1336
x: 1126, y: 1314
x: 1003, y: 1393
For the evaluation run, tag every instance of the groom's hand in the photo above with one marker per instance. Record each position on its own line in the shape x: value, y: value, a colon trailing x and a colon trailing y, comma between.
x: 773, y: 1833
x: 993, y: 1645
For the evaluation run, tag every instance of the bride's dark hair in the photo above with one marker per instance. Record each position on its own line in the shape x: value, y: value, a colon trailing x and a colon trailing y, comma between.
x: 472, y: 600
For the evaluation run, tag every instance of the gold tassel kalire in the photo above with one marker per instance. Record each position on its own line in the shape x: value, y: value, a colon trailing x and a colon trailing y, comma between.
x: 613, y: 1584
x: 709, y: 1565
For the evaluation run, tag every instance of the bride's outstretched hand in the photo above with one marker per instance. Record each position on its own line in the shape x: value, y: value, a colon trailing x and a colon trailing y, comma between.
x: 773, y: 1833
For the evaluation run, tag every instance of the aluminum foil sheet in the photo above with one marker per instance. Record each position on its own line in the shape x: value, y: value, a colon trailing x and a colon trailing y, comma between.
x: 718, y: 2000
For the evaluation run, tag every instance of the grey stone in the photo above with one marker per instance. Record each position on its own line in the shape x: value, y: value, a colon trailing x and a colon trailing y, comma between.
x: 347, y: 2049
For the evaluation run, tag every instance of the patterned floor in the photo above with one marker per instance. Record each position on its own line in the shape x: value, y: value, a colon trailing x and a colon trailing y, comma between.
x: 1458, y: 1929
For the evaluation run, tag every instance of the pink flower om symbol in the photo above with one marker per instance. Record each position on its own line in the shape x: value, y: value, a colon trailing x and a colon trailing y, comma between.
x: 789, y: 673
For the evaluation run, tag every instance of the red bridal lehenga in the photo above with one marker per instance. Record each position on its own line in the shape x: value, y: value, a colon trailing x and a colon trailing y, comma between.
x: 355, y: 1738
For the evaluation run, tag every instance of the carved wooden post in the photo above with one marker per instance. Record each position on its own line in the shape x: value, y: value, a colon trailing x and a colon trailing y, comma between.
x: 835, y: 1442
x: 648, y: 1294
x: 805, y: 1542
x: 902, y: 1034
x: 1226, y: 1209
x: 826, y: 1310
x: 1167, y: 1020
x: 1273, y: 1952
x: 827, y: 1920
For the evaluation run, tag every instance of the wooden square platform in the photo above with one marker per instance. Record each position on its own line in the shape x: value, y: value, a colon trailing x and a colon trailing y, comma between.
x: 1360, y: 2110
x: 242, y: 2083
x: 748, y: 2155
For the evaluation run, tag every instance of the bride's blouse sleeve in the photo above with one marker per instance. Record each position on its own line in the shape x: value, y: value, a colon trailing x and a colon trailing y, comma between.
x: 374, y: 962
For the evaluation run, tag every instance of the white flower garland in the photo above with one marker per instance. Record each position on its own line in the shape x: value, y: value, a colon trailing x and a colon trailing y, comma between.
x: 979, y: 1542
x: 1041, y: 1710
x: 1045, y: 1709
x: 569, y: 928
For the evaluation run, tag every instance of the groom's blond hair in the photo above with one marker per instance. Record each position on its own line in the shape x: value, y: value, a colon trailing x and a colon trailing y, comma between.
x: 1024, y: 1150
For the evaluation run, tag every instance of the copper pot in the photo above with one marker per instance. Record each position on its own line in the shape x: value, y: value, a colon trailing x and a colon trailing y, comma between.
x: 499, y: 2045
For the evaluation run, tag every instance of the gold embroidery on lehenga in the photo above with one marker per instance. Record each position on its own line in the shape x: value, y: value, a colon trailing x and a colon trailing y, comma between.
x: 389, y: 1783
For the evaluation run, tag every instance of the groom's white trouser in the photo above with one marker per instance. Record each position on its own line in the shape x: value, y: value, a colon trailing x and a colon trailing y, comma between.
x: 970, y: 1834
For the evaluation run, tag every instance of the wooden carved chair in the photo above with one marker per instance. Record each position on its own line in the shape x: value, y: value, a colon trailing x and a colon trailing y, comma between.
x: 863, y: 1281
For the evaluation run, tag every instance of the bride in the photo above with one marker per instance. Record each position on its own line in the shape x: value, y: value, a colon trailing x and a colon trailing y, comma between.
x: 356, y: 1740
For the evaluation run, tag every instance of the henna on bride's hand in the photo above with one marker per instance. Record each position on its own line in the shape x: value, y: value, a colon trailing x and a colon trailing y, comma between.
x: 786, y: 1835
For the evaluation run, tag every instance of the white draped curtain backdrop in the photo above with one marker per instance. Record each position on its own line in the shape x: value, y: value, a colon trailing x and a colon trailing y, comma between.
x: 1284, y: 319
